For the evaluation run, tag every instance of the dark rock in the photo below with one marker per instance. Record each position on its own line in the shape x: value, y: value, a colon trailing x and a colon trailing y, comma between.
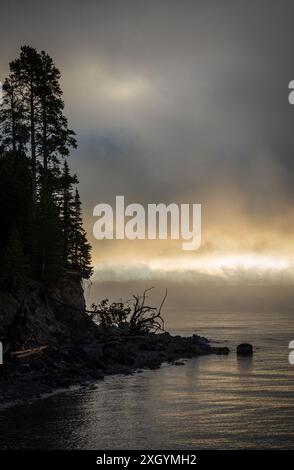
x: 78, y: 351
x: 63, y: 383
x: 245, y: 349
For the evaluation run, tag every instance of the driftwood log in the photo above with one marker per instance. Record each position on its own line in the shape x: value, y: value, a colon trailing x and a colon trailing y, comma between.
x: 27, y: 352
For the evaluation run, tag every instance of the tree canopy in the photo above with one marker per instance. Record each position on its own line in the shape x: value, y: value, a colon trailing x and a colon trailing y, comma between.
x: 42, y: 230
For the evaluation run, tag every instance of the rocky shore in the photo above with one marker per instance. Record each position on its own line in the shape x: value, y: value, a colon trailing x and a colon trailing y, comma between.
x: 78, y: 352
x: 23, y: 379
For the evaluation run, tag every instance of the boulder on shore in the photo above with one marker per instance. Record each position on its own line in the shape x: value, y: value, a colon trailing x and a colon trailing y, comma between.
x: 245, y: 349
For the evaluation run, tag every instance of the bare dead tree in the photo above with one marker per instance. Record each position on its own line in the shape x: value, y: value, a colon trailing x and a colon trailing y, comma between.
x: 145, y: 319
x: 140, y: 318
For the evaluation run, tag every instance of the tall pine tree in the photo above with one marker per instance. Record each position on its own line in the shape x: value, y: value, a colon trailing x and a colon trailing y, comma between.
x: 67, y: 211
x: 53, y: 137
x: 25, y: 73
x: 80, y: 252
x: 48, y: 241
x: 34, y: 129
x: 14, y: 135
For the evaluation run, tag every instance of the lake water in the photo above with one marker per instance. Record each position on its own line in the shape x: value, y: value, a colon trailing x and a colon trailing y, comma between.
x: 209, y: 403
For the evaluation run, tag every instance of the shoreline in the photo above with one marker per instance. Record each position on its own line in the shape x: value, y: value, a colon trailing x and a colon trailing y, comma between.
x: 58, y: 370
x: 90, y: 385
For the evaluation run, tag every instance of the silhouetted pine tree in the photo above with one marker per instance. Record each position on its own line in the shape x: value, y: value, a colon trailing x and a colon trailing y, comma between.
x: 35, y: 188
x: 48, y: 246
x: 53, y: 137
x: 14, y: 135
x: 80, y: 253
x: 67, y: 211
x: 36, y: 81
x: 25, y: 73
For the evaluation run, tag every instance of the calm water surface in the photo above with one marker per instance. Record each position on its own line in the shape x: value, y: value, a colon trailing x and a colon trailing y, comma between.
x: 211, y: 402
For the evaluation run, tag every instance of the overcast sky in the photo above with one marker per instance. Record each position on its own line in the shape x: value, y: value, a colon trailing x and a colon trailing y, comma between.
x: 175, y: 101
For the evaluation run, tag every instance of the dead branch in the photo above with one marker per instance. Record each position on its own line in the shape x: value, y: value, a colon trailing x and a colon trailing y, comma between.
x: 145, y: 319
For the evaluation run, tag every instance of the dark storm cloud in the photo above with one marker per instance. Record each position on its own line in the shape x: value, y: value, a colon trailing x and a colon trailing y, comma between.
x: 172, y: 100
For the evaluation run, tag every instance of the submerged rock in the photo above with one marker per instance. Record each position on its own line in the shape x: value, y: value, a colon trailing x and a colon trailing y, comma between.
x: 245, y: 349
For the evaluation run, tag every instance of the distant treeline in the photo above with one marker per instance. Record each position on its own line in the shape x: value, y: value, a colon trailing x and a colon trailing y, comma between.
x: 40, y: 210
